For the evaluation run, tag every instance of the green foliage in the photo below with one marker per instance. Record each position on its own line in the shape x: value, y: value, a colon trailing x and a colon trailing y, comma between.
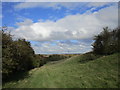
x: 37, y: 61
x: 89, y: 57
x: 70, y: 73
x: 43, y: 61
x: 24, y: 54
x: 56, y: 57
x: 107, y: 42
x: 8, y: 63
x: 17, y: 55
x: 40, y: 60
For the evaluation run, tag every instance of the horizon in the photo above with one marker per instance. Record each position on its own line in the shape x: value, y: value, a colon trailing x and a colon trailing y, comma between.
x: 58, y: 53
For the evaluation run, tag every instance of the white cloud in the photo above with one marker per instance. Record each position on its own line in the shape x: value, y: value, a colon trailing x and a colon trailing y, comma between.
x: 26, y: 22
x: 70, y: 27
x: 99, y: 4
x: 46, y: 48
x: 36, y: 4
x: 58, y: 5
x: 60, y: 0
x: 53, y: 5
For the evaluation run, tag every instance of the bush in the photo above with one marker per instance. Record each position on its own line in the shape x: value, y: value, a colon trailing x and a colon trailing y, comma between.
x: 107, y: 42
x: 36, y: 62
x: 56, y: 57
x: 17, y: 55
x: 88, y: 57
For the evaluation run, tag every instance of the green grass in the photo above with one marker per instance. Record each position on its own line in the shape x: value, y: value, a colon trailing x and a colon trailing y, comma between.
x: 71, y: 73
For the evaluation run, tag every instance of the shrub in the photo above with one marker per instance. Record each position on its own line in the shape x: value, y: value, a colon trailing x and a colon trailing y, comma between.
x: 56, y: 57
x: 88, y: 57
x: 17, y: 55
x: 107, y: 42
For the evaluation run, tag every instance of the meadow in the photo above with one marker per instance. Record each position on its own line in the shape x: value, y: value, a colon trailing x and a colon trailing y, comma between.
x: 74, y: 72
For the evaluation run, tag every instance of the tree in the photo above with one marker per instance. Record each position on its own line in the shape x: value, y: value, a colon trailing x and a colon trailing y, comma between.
x: 107, y: 42
x: 98, y: 45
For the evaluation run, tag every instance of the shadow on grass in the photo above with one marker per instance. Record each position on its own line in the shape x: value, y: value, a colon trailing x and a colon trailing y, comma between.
x: 16, y: 77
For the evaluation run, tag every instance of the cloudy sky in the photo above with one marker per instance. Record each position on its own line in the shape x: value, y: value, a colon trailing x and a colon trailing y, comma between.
x: 64, y: 27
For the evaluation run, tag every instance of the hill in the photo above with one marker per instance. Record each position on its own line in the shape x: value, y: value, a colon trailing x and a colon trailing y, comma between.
x: 73, y: 72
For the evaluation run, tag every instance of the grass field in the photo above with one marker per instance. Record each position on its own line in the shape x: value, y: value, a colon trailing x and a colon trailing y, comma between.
x: 71, y: 73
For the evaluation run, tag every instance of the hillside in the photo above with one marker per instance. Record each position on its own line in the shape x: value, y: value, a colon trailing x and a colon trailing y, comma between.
x: 71, y: 73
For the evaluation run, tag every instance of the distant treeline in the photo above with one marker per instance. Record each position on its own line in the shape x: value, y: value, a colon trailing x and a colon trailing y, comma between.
x: 43, y: 59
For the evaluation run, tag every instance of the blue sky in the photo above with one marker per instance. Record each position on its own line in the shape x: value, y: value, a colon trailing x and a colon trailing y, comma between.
x: 59, y: 27
x: 13, y: 15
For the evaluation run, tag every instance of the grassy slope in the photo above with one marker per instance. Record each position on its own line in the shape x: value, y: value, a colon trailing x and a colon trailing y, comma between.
x: 71, y: 73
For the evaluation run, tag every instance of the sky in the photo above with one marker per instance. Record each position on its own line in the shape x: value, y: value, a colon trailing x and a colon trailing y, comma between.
x: 59, y: 27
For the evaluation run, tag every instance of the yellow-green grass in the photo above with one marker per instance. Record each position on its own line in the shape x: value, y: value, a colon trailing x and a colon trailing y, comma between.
x: 71, y: 73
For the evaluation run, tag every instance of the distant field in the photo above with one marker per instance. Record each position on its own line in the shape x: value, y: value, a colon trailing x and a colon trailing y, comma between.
x: 71, y: 73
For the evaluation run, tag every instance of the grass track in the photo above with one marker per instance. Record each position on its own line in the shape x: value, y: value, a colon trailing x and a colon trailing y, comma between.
x: 70, y: 73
